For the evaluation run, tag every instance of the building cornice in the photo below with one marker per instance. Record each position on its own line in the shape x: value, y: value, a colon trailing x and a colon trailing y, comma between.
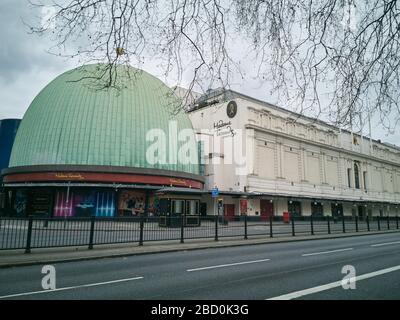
x: 312, y: 121
x: 321, y: 145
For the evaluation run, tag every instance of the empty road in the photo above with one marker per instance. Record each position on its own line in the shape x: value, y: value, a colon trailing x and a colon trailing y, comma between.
x: 295, y: 270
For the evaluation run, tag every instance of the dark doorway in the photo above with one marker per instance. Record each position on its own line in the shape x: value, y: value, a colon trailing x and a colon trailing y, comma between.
x: 361, y: 212
x: 267, y: 209
x: 337, y: 210
x: 203, y: 208
x: 164, y: 207
x: 294, y: 208
x: 317, y: 210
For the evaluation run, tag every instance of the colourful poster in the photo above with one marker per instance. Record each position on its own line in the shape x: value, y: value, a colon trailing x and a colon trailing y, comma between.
x: 84, y: 204
x: 132, y: 203
x: 243, y: 206
x: 105, y: 204
x: 81, y: 203
x: 63, y: 204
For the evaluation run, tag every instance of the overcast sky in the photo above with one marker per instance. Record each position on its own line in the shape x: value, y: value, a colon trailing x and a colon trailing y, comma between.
x: 26, y: 67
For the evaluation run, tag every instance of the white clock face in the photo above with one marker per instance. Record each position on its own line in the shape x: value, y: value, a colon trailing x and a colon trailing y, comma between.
x: 231, y: 109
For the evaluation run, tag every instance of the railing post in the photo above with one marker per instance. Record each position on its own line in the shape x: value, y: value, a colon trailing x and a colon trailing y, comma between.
x: 368, y: 229
x: 270, y: 227
x: 216, y: 228
x: 182, y: 228
x: 245, y: 226
x: 379, y: 223
x: 91, y: 234
x: 29, y: 235
x: 312, y: 225
x: 293, y: 230
x: 141, y: 231
x: 397, y: 222
x: 356, y: 223
x: 388, y: 222
x: 343, y: 224
x: 329, y: 224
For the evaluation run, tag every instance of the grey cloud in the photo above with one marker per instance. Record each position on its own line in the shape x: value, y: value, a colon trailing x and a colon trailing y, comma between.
x: 25, y: 67
x: 21, y: 52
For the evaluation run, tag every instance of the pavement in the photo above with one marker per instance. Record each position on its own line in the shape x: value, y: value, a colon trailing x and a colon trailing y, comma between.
x: 11, y: 258
x: 283, y: 270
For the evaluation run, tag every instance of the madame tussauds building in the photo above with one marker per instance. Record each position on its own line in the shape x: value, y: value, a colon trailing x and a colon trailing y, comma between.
x: 85, y: 151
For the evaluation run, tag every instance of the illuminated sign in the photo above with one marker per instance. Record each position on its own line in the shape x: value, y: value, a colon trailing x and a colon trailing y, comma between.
x: 69, y: 176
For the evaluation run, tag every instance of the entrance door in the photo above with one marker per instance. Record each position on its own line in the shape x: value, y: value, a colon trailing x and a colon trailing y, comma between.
x: 361, y: 212
x: 229, y: 211
x: 266, y: 209
x: 294, y: 208
x: 317, y: 209
x: 337, y: 210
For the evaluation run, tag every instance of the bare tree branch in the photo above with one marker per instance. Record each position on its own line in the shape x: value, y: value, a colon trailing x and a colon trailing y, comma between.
x: 336, y: 59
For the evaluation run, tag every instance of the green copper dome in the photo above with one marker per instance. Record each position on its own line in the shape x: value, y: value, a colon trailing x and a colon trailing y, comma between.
x: 73, y: 122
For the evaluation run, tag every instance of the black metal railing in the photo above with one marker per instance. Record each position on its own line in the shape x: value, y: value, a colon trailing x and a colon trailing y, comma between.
x: 36, y: 232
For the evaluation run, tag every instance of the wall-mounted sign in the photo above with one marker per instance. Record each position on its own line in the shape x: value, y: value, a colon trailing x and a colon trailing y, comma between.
x: 215, y: 192
x: 221, y: 124
x: 224, y: 128
x: 69, y: 176
x: 231, y: 109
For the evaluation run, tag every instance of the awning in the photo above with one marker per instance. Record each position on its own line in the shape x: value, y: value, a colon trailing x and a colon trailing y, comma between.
x: 93, y: 185
x: 177, y: 190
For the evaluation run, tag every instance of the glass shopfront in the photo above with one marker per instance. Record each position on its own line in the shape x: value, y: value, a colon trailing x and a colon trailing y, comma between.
x: 33, y: 202
x: 173, y: 209
x: 20, y: 202
x: 192, y: 207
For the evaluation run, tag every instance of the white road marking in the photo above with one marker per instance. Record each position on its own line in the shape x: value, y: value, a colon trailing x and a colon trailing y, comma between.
x: 301, y: 293
x: 325, y: 252
x: 227, y: 265
x: 384, y: 244
x: 69, y: 288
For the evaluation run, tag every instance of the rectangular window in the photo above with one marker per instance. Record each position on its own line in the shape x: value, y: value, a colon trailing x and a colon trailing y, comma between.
x: 356, y: 176
x: 365, y: 179
x: 178, y: 207
x: 349, y: 178
x: 202, y: 164
x: 192, y: 207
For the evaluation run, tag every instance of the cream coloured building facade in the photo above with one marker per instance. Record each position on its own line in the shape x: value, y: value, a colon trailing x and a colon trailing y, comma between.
x: 291, y: 163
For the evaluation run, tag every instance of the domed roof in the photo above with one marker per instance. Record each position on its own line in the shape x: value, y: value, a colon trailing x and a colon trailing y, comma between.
x: 71, y: 122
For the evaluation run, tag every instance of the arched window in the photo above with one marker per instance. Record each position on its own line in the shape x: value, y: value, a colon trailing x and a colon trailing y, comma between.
x: 356, y: 176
